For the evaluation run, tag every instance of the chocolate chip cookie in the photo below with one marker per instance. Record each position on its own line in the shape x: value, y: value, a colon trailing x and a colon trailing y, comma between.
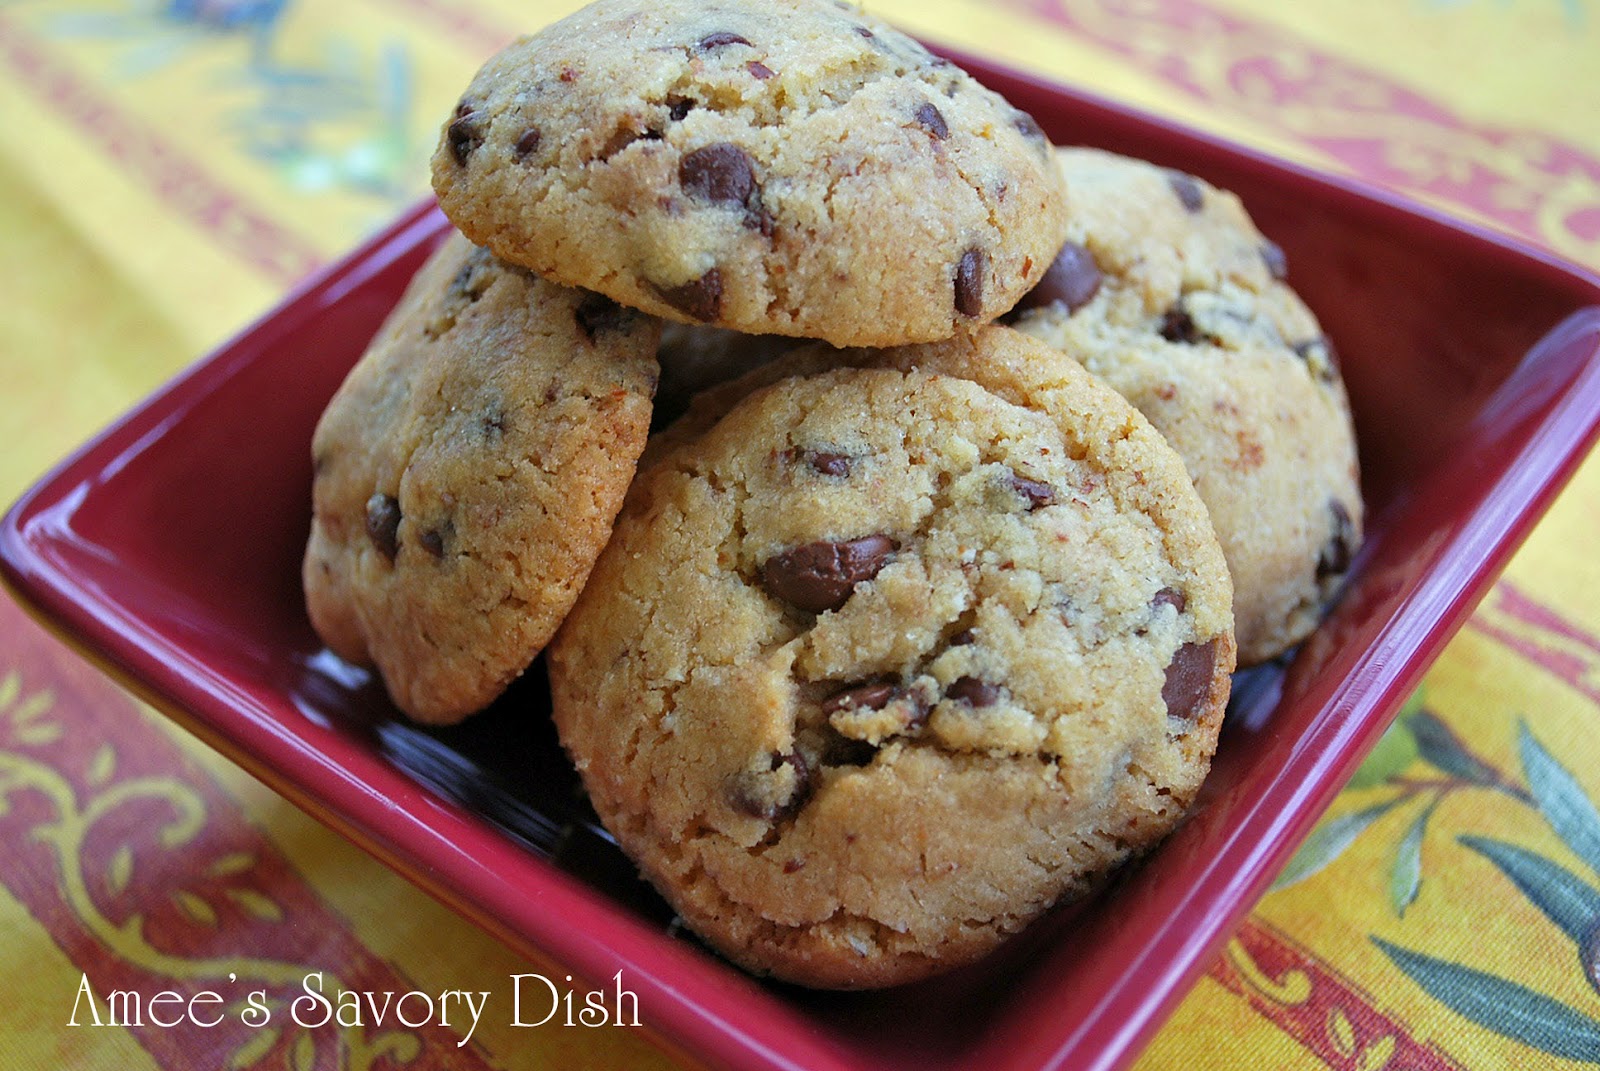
x: 467, y: 475
x: 792, y: 167
x: 884, y: 664
x: 1167, y: 291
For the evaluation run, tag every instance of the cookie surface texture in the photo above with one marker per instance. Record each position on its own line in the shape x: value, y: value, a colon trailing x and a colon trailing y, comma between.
x: 791, y: 167
x: 467, y: 475
x: 884, y: 665
x: 1169, y: 293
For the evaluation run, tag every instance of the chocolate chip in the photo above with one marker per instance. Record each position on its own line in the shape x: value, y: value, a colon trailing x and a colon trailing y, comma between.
x: 862, y: 31
x: 1320, y: 357
x: 719, y: 39
x: 932, y: 120
x: 1189, y: 677
x: 758, y: 70
x: 821, y: 576
x: 802, y: 771
x: 494, y: 423
x: 1028, y: 126
x: 873, y: 696
x: 1340, y: 547
x: 753, y: 793
x: 1071, y: 281
x: 746, y: 798
x: 1169, y: 597
x: 678, y: 107
x: 1178, y: 326
x: 720, y: 173
x: 1165, y: 597
x: 963, y: 638
x: 803, y: 783
x: 383, y: 524
x: 973, y: 692
x: 1038, y: 494
x: 823, y: 462
x: 1272, y: 256
x: 700, y: 298
x: 911, y: 706
x: 465, y: 107
x: 1188, y: 189
x: 468, y: 281
x: 528, y: 144
x: 464, y: 135
x: 597, y: 313
x: 969, y: 282
x: 624, y: 136
x: 432, y: 541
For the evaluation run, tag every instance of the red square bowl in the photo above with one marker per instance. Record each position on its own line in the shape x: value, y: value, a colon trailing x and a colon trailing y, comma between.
x: 169, y: 550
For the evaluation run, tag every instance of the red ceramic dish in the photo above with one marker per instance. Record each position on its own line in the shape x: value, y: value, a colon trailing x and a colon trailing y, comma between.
x: 169, y: 549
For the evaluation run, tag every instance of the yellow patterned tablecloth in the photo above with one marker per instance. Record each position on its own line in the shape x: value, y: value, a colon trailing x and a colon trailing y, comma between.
x: 169, y: 167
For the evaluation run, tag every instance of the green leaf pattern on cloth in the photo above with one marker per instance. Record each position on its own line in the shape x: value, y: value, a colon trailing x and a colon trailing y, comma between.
x: 1405, y: 879
x: 1570, y: 901
x: 1562, y: 896
x: 1503, y: 1006
x: 1570, y: 813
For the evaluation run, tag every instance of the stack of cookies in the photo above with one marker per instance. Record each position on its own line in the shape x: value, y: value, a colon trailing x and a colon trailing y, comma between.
x: 922, y: 618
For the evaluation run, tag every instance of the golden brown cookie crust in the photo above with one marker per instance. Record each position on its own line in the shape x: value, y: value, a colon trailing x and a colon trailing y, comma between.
x: 467, y: 474
x: 856, y: 786
x: 792, y: 167
x: 1178, y: 302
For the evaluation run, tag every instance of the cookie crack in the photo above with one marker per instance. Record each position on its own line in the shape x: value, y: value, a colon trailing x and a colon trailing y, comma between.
x: 846, y: 80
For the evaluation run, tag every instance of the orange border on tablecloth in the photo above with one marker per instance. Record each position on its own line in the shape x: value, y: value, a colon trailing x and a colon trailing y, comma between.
x: 464, y: 22
x: 1309, y: 1000
x: 149, y: 876
x: 1543, y: 636
x: 1520, y: 180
